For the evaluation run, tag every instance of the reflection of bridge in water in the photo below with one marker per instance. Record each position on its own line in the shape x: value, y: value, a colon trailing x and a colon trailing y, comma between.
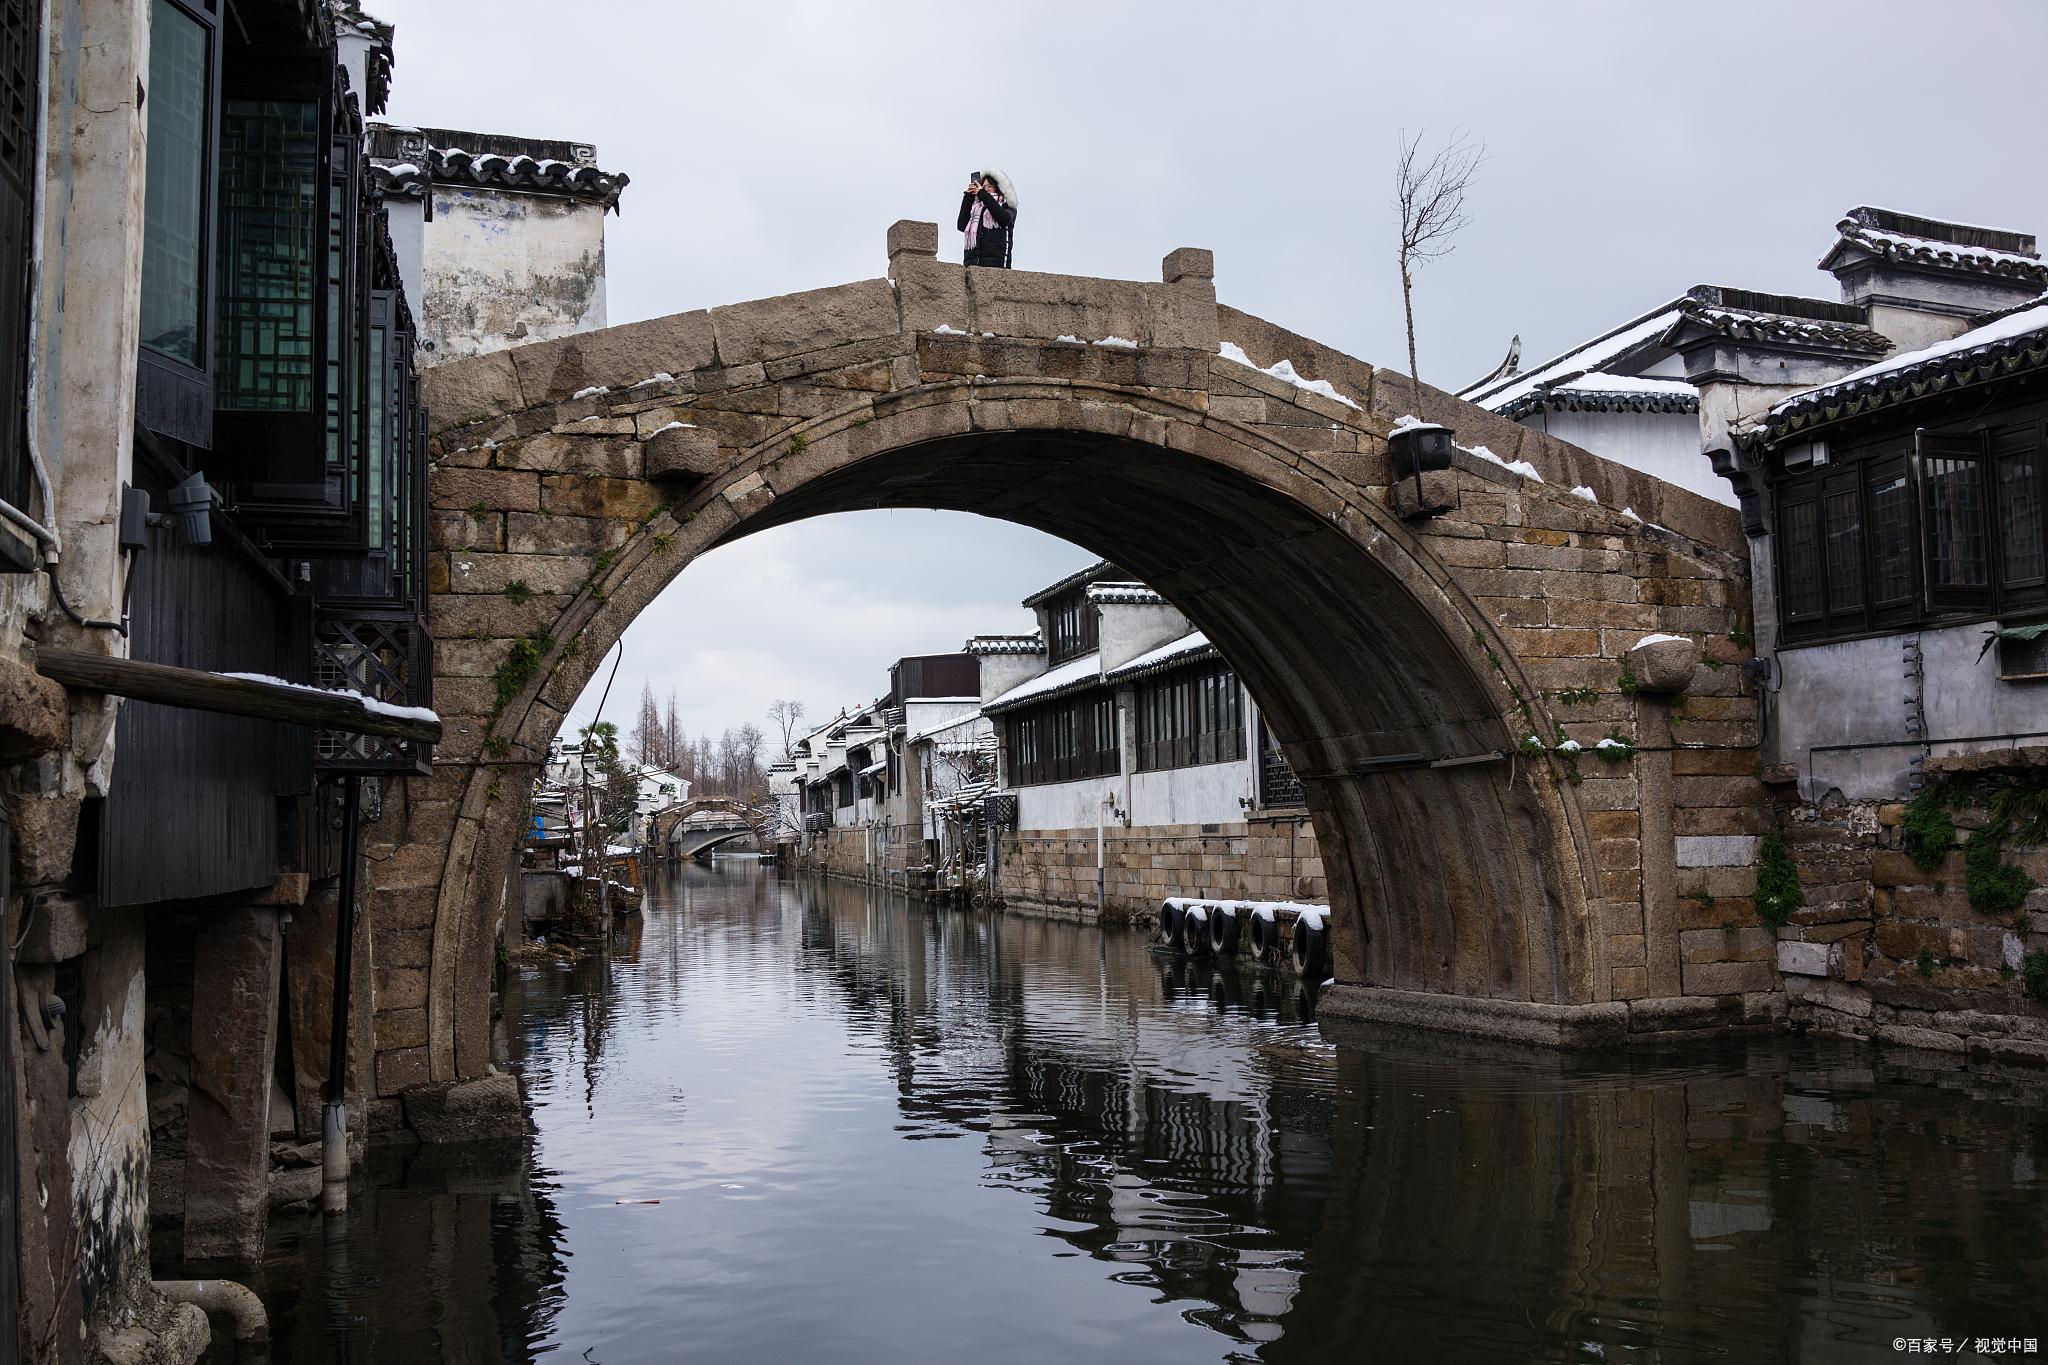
x: 1173, y: 1122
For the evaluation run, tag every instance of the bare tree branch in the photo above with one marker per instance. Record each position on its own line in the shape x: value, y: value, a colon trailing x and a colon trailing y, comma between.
x: 786, y: 715
x: 1431, y: 198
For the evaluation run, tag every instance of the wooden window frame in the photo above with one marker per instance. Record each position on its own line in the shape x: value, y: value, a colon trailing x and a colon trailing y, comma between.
x: 1190, y: 717
x: 172, y: 398
x: 1863, y: 471
x: 1059, y: 740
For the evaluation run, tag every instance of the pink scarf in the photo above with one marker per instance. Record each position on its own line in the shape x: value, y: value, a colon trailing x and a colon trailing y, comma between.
x: 980, y: 218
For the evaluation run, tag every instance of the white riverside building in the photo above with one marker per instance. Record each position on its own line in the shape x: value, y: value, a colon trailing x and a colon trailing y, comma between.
x: 1886, y: 452
x: 1116, y: 726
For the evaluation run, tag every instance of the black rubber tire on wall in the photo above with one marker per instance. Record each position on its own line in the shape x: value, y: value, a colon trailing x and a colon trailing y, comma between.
x: 1263, y: 937
x: 1310, y: 951
x: 1224, y: 930
x: 1194, y: 933
x: 1169, y: 925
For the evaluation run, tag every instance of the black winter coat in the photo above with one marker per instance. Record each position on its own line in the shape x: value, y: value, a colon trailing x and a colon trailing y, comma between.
x: 991, y: 245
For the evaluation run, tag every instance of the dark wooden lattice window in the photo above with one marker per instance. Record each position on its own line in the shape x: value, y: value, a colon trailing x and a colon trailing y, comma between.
x: 1912, y: 528
x: 1076, y: 627
x: 1189, y: 717
x: 1064, y: 740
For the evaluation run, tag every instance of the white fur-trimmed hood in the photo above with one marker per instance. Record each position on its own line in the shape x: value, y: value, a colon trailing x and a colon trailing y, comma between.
x: 1003, y: 186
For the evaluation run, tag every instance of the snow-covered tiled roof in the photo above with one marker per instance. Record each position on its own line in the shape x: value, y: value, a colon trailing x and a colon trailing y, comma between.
x: 1068, y: 677
x: 940, y: 727
x: 411, y: 175
x: 1173, y: 653
x: 1004, y: 644
x: 1746, y: 324
x: 1124, y: 594
x: 1619, y: 393
x: 1101, y: 568
x: 1601, y: 352
x: 2013, y: 341
x: 1928, y: 242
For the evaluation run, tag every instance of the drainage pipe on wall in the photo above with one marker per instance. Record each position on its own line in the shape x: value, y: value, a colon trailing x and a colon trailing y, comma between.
x: 334, y: 1117
x: 236, y: 1302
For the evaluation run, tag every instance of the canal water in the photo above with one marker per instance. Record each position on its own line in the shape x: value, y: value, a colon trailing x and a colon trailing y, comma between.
x: 882, y: 1132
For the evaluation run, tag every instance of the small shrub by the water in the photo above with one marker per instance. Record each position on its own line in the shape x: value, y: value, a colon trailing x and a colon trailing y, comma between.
x: 1777, y: 883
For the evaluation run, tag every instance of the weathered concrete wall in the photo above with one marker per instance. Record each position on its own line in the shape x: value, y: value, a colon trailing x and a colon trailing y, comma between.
x: 501, y: 269
x: 1828, y: 698
x: 82, y: 1139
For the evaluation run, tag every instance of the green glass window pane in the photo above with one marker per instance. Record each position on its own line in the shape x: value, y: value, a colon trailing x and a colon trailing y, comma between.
x: 174, y: 184
x: 269, y: 261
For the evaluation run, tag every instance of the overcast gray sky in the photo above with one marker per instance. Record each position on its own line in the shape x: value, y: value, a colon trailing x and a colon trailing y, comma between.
x: 1633, y: 150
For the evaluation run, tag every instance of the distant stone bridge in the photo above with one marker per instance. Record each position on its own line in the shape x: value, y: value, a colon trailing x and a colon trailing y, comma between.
x: 690, y: 828
x: 576, y: 478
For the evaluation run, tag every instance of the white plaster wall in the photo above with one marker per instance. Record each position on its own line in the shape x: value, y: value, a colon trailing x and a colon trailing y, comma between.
x: 920, y: 715
x: 1129, y: 630
x: 1066, y: 805
x: 1912, y: 329
x: 408, y: 219
x: 1666, y: 444
x: 1205, y: 795
x: 496, y: 261
x: 1855, y: 693
x: 1001, y: 672
x: 1177, y: 796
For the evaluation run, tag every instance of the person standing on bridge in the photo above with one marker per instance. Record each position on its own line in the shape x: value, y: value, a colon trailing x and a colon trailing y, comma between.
x: 988, y: 210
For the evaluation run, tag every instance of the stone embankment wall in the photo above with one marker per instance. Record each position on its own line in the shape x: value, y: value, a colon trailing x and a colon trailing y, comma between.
x: 1274, y: 859
x: 1269, y: 859
x: 1886, y: 949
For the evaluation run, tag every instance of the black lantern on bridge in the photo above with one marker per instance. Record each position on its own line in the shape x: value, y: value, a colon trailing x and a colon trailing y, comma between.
x: 1420, y: 450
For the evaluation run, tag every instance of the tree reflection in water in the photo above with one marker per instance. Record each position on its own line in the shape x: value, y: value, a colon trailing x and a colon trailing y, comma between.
x: 882, y: 1131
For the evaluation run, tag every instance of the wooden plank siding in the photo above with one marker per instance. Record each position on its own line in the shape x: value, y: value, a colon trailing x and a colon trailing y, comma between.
x: 194, y: 805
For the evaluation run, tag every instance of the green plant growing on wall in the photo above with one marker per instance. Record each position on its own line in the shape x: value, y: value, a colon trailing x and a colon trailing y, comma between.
x: 477, y: 511
x: 663, y: 540
x: 517, y: 593
x: 1579, y: 696
x: 1996, y: 887
x: 1777, y: 883
x: 1628, y: 682
x: 1568, y: 749
x: 1930, y: 832
x: 522, y: 664
x: 1741, y: 638
x: 1615, y: 747
x: 2034, y: 971
x: 1925, y: 962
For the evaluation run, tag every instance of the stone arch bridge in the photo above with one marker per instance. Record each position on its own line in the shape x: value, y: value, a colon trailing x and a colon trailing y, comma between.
x: 697, y: 826
x: 1533, y: 896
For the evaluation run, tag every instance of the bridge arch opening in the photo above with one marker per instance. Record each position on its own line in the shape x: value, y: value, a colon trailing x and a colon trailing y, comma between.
x: 1352, y: 637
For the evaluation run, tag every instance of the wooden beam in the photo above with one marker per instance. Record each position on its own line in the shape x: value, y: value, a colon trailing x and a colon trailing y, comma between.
x: 197, y: 691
